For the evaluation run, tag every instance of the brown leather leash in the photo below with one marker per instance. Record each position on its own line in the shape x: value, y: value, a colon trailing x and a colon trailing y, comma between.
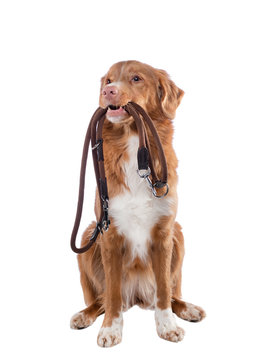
x: 145, y: 167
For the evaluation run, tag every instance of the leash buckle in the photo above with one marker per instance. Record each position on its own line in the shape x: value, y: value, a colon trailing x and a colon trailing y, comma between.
x: 99, y: 147
x: 99, y: 143
x: 106, y: 220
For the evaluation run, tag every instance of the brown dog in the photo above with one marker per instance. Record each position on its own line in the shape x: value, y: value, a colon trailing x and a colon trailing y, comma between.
x: 138, y: 260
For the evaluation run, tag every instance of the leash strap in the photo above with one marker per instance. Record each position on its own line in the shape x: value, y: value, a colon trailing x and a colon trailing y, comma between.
x: 130, y: 109
x: 98, y: 115
x: 145, y: 164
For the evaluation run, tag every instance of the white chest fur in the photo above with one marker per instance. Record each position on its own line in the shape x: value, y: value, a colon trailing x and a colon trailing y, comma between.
x: 136, y: 211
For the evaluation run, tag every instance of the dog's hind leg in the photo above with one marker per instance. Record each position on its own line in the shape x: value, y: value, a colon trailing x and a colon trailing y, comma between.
x: 187, y: 311
x: 184, y: 310
x: 89, y: 262
x: 177, y: 260
x: 86, y: 317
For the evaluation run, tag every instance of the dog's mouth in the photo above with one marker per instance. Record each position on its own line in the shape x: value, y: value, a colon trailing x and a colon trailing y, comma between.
x: 115, y: 113
x: 113, y: 107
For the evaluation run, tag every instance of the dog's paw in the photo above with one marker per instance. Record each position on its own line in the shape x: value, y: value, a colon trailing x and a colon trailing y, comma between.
x: 192, y: 313
x: 111, y: 335
x: 81, y: 321
x: 166, y: 326
x: 173, y: 334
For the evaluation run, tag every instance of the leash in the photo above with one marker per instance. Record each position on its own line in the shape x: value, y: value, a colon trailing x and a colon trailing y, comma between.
x: 145, y: 167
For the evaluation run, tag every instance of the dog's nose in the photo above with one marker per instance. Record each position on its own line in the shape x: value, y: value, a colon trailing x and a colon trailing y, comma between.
x: 110, y: 92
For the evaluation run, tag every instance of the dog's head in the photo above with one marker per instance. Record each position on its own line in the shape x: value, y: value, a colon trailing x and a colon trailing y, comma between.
x: 134, y: 81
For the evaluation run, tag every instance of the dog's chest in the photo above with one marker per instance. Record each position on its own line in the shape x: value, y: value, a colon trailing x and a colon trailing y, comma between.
x: 136, y: 211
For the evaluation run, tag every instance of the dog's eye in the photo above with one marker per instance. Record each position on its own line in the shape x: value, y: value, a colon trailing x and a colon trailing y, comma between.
x: 108, y: 81
x: 136, y: 78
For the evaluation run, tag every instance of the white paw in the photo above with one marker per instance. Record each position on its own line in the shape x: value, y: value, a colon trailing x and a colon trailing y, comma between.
x: 192, y: 313
x: 166, y: 325
x: 80, y: 321
x: 110, y: 336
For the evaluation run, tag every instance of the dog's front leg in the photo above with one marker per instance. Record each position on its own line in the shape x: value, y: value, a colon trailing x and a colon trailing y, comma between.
x: 162, y: 247
x: 111, y: 250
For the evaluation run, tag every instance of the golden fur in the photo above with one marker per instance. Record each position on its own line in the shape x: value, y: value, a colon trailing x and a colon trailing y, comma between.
x: 108, y: 267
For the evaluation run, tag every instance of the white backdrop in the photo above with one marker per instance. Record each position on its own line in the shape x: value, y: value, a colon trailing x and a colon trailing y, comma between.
x: 53, y: 54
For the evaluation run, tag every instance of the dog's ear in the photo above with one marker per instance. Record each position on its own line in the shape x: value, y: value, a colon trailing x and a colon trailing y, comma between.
x: 169, y: 94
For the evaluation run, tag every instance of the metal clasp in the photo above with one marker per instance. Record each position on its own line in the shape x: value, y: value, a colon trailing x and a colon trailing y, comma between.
x: 105, y: 221
x: 145, y: 175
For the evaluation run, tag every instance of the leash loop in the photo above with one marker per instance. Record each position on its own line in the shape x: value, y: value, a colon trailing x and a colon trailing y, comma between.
x: 145, y: 167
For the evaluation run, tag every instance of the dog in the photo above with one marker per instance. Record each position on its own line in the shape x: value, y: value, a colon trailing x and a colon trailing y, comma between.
x: 138, y: 261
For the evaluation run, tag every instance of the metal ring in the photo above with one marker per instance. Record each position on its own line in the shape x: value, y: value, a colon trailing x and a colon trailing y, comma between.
x: 146, y: 173
x: 160, y: 196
